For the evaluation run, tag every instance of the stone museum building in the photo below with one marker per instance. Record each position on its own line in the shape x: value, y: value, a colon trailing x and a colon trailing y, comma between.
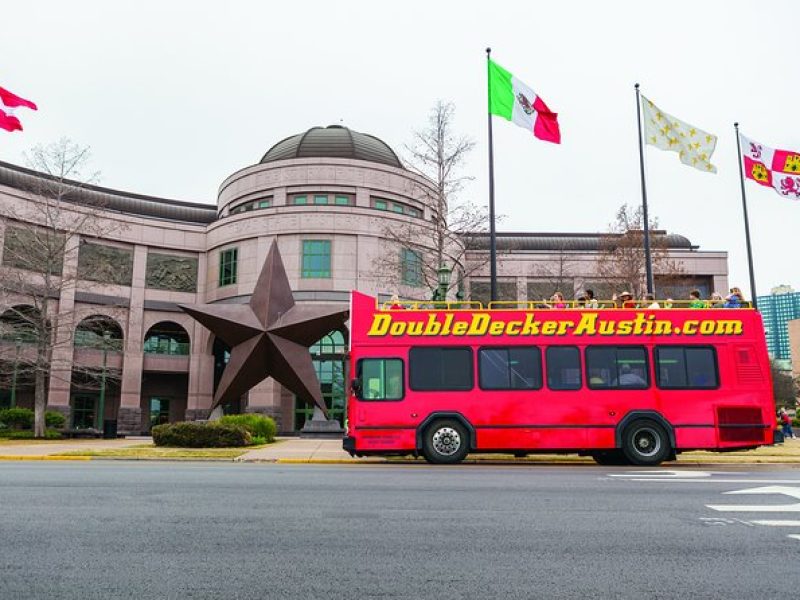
x: 333, y: 198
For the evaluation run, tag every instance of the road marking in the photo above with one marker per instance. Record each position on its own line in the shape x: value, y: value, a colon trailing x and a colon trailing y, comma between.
x: 777, y: 523
x: 793, y: 492
x: 661, y: 475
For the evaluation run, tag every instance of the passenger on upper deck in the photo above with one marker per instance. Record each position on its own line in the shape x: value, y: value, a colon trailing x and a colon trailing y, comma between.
x: 735, y: 299
x: 695, y: 301
x: 716, y: 301
x: 649, y: 301
x: 588, y: 300
x: 626, y: 298
x: 556, y: 301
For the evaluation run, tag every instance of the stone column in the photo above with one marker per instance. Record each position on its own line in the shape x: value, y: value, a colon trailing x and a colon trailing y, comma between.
x: 265, y: 399
x: 201, y: 361
x: 58, y: 395
x: 129, y: 419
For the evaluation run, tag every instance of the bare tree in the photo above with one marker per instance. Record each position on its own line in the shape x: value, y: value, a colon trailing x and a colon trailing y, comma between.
x: 558, y: 275
x: 437, y: 153
x: 42, y: 238
x: 621, y: 261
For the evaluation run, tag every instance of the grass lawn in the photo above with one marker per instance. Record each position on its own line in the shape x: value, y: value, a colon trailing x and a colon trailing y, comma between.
x: 145, y: 451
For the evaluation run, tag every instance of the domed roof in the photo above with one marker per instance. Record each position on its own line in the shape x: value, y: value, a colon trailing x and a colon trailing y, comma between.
x: 334, y: 141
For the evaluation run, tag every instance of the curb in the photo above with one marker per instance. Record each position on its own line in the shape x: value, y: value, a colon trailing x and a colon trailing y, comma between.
x: 46, y: 457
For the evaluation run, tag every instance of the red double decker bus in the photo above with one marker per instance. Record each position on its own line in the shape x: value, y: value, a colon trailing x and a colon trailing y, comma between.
x: 626, y: 386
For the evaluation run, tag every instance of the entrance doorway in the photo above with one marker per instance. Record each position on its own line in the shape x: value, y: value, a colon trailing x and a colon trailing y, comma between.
x: 329, y: 356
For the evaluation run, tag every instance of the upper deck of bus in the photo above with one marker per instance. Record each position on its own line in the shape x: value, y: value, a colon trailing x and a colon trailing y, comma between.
x: 470, y: 323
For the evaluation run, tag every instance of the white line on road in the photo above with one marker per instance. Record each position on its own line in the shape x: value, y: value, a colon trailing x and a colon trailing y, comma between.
x: 792, y: 492
x: 777, y: 523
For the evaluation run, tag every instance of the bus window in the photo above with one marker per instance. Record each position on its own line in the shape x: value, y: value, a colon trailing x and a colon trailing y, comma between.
x: 686, y: 367
x: 617, y: 367
x: 432, y: 369
x: 381, y: 378
x: 518, y: 368
x: 563, y: 368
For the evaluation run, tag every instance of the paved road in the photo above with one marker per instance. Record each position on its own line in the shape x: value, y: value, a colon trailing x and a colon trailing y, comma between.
x: 173, y: 530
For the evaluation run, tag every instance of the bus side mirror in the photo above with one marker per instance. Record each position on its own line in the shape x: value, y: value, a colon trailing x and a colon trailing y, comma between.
x: 355, y: 385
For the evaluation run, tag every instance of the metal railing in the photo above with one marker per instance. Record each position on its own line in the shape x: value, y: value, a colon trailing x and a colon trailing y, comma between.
x: 559, y: 305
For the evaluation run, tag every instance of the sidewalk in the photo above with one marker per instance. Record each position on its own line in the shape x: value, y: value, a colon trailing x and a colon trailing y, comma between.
x: 31, y: 449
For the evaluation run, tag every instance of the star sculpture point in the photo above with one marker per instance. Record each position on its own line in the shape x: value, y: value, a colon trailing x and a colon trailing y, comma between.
x: 269, y: 337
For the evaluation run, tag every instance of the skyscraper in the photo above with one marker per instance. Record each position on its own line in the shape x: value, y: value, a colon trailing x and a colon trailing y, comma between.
x: 777, y: 309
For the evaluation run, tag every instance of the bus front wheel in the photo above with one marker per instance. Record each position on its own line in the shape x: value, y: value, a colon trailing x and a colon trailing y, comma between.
x: 645, y: 443
x: 445, y: 442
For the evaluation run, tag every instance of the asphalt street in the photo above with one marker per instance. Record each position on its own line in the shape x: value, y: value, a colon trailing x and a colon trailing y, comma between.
x: 203, y: 530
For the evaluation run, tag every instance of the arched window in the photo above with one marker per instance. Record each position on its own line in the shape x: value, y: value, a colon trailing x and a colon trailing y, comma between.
x: 100, y: 333
x: 168, y: 338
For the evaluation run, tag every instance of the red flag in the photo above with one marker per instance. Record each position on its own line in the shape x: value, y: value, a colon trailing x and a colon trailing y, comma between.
x: 8, y: 103
x: 12, y: 100
x: 9, y: 122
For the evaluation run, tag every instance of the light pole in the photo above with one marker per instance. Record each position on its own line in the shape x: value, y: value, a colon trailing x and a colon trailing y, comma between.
x: 17, y: 345
x: 443, y: 276
x: 101, y: 409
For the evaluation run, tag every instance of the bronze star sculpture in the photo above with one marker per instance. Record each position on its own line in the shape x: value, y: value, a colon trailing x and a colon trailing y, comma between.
x: 270, y: 336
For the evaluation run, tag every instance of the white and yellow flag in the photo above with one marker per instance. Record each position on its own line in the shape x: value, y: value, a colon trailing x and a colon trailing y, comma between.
x: 693, y: 145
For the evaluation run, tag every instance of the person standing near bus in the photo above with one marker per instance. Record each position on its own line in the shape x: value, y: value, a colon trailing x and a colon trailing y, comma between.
x: 786, y: 423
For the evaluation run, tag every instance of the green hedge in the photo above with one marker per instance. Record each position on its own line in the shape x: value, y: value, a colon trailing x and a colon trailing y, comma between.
x: 22, y: 418
x: 258, y: 425
x: 27, y: 434
x: 191, y: 434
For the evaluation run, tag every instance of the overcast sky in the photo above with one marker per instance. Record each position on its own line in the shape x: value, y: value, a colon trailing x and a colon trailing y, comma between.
x: 174, y: 96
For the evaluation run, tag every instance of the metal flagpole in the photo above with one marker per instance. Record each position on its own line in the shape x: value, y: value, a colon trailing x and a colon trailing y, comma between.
x: 648, y: 262
x: 492, y: 233
x: 746, y: 220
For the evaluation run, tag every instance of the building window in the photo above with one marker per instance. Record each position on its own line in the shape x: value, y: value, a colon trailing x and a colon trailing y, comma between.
x: 167, y: 338
x: 412, y: 212
x: 83, y: 412
x: 342, y: 200
x: 159, y: 411
x: 510, y: 368
x: 300, y: 200
x: 320, y: 199
x: 432, y: 369
x: 316, y: 259
x: 612, y: 368
x: 264, y: 203
x: 380, y: 204
x: 411, y: 267
x: 227, y: 266
x: 381, y: 378
x: 398, y: 208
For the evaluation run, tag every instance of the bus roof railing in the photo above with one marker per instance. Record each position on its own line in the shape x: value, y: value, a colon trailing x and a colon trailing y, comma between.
x: 558, y: 305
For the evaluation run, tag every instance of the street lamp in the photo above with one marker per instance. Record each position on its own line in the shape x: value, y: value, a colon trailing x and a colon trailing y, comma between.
x: 101, y: 409
x: 17, y: 345
x: 443, y: 276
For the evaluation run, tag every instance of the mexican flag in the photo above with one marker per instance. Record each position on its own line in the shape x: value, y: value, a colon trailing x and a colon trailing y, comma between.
x: 514, y: 101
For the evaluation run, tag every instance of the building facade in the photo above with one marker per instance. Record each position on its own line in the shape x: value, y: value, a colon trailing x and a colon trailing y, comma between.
x: 333, y: 199
x: 781, y: 306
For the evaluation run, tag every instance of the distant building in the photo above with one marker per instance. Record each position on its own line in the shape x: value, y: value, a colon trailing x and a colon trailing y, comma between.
x: 777, y: 309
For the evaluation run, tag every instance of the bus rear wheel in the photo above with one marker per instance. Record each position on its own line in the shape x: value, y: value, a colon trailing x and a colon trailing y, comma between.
x: 445, y: 442
x: 645, y: 443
